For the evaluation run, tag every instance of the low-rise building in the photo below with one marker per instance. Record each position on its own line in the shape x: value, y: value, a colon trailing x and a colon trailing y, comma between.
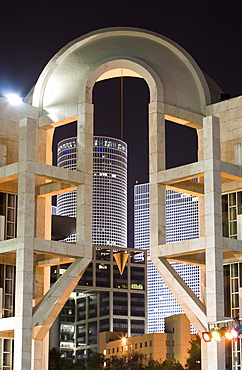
x: 172, y: 344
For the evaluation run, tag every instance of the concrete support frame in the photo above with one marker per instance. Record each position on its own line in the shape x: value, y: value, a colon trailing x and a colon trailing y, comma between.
x: 213, y: 310
x: 37, y: 305
x: 60, y: 98
x: 84, y: 164
x: 25, y: 246
x: 213, y: 234
x: 157, y: 163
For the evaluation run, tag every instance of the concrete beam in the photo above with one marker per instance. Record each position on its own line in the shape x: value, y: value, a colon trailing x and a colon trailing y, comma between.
x: 182, y: 173
x: 58, y: 118
x: 8, y: 245
x: 48, y: 308
x: 57, y: 248
x: 60, y: 174
x: 232, y: 245
x: 53, y: 188
x: 183, y: 117
x: 188, y: 187
x: 231, y: 171
x: 9, y: 172
x: 186, y: 247
x: 52, y: 261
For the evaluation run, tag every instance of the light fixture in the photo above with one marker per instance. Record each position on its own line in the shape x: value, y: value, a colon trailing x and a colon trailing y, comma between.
x: 206, y: 336
x: 216, y: 334
x: 123, y: 340
x: 14, y: 99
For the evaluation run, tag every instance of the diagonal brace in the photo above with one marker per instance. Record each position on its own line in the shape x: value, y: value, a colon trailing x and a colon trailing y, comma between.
x: 46, y: 311
x: 190, y: 303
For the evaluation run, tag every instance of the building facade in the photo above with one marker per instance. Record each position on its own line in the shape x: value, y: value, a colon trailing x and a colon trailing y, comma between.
x: 109, y: 205
x: 181, y: 224
x: 172, y: 344
x: 104, y: 300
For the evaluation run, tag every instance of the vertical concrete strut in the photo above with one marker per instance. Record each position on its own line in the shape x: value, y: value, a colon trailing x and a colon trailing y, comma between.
x: 84, y: 164
x: 157, y: 163
x: 25, y: 234
x: 213, y: 310
x: 192, y: 306
x: 28, y: 353
x: 213, y: 234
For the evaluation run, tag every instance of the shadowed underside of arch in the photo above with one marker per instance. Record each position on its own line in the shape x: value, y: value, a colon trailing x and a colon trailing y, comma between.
x: 172, y: 75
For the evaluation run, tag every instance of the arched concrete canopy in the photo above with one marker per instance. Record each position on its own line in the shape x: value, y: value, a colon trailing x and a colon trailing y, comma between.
x: 176, y: 78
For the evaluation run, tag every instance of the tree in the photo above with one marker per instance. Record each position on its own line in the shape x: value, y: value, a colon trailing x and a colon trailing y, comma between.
x: 56, y: 362
x: 194, y: 352
x: 96, y: 362
x: 137, y: 361
x: 134, y: 362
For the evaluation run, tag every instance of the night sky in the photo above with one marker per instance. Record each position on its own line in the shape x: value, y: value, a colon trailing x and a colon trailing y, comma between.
x: 210, y: 30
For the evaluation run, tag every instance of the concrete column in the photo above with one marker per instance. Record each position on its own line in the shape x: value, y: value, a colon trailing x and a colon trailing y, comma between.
x: 40, y: 357
x: 24, y: 256
x: 84, y: 163
x: 213, y: 233
x: 157, y: 162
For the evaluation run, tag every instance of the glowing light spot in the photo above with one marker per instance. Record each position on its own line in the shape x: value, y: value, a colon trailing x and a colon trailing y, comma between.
x: 14, y: 99
x: 123, y: 340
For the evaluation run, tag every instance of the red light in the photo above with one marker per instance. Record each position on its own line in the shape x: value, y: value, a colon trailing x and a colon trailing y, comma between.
x: 235, y: 333
x: 206, y: 336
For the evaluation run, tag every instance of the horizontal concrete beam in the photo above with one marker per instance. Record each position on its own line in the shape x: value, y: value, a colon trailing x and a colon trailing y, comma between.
x: 60, y: 174
x: 197, y: 259
x: 188, y: 187
x: 231, y: 257
x: 9, y: 245
x: 232, y: 245
x: 183, y: 117
x: 193, y: 251
x: 59, y: 118
x: 231, y: 171
x: 68, y: 250
x: 182, y: 173
x: 9, y: 172
x: 45, y: 262
x: 178, y: 249
x: 53, y: 188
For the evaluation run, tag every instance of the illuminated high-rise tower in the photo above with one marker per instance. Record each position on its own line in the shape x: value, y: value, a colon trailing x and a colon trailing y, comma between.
x: 109, y: 213
x: 181, y: 224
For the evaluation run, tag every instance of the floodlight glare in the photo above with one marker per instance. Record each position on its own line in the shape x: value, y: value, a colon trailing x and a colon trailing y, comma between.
x: 216, y: 335
x: 14, y: 99
x: 124, y: 340
x: 235, y: 333
x: 229, y: 334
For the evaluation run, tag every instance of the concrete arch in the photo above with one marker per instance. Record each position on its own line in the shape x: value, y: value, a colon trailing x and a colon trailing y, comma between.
x: 62, y: 82
x: 120, y: 67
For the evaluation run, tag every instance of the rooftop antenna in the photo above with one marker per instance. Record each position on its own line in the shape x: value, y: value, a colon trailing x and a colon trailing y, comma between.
x: 122, y: 105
